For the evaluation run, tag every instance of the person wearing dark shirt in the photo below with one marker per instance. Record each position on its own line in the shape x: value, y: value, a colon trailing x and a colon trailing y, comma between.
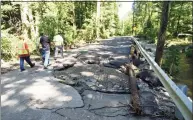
x: 45, y: 43
x: 39, y: 46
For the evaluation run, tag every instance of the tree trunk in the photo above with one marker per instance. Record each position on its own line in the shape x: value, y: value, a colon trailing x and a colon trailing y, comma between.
x: 26, y: 13
x: 24, y: 20
x: 98, y: 18
x: 31, y: 23
x: 37, y: 19
x: 135, y: 100
x: 74, y: 21
x: 144, y: 18
x: 179, y: 16
x: 133, y: 18
x: 170, y: 71
x: 162, y: 32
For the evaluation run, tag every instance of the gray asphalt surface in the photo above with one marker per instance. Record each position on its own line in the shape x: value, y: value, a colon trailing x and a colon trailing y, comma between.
x: 37, y: 95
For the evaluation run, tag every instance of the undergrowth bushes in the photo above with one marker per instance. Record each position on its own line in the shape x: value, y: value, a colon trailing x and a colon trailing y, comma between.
x: 8, y: 45
x: 171, y: 60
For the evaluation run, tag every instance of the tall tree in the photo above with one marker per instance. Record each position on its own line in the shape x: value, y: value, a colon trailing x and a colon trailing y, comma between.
x: 27, y: 18
x: 24, y: 20
x: 162, y: 32
x: 133, y: 17
x: 179, y: 16
x: 31, y: 23
x: 98, y: 18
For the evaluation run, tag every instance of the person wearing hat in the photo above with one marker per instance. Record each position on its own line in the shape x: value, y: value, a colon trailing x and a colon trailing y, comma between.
x: 23, y: 53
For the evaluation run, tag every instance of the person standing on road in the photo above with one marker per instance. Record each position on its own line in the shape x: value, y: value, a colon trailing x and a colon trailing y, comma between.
x: 23, y: 53
x: 45, y: 52
x: 58, y: 45
x: 39, y: 46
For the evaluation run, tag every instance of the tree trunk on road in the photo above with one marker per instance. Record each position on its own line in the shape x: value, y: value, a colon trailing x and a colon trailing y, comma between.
x: 162, y: 32
x: 135, y: 100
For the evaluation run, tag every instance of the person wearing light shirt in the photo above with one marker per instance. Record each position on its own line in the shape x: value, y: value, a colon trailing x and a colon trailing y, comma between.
x: 58, y: 45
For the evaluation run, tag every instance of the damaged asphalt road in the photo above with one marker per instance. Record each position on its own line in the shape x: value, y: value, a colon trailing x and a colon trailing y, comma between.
x: 87, y: 84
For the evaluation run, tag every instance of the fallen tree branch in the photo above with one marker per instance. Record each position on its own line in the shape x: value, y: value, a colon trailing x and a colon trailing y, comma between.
x: 135, y: 100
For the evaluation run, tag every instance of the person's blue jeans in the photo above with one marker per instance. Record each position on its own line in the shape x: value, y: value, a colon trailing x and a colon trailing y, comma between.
x: 27, y: 59
x: 45, y: 57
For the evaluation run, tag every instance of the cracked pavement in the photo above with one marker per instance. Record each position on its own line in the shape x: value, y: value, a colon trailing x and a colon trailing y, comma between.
x: 85, y: 91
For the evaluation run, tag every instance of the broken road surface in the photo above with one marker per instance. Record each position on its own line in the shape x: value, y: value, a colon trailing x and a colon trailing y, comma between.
x: 87, y: 84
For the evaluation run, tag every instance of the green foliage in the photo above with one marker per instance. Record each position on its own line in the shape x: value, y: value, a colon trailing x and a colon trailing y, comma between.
x: 180, y: 20
x: 84, y: 11
x: 109, y: 19
x: 76, y: 21
x: 171, y: 60
x: 89, y: 32
x: 69, y: 35
x: 127, y: 28
x: 8, y: 45
x: 147, y: 19
x: 119, y: 30
x: 189, y: 53
x: 10, y: 17
x: 47, y: 25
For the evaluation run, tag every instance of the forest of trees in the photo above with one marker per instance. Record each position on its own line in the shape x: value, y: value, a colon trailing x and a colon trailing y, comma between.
x: 75, y: 20
x: 147, y: 15
x: 88, y: 21
x: 145, y: 21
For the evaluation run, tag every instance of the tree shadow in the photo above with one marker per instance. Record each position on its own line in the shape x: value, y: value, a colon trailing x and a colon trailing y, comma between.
x: 27, y: 93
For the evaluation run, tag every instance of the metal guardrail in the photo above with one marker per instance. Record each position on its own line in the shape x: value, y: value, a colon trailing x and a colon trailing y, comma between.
x: 180, y: 99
